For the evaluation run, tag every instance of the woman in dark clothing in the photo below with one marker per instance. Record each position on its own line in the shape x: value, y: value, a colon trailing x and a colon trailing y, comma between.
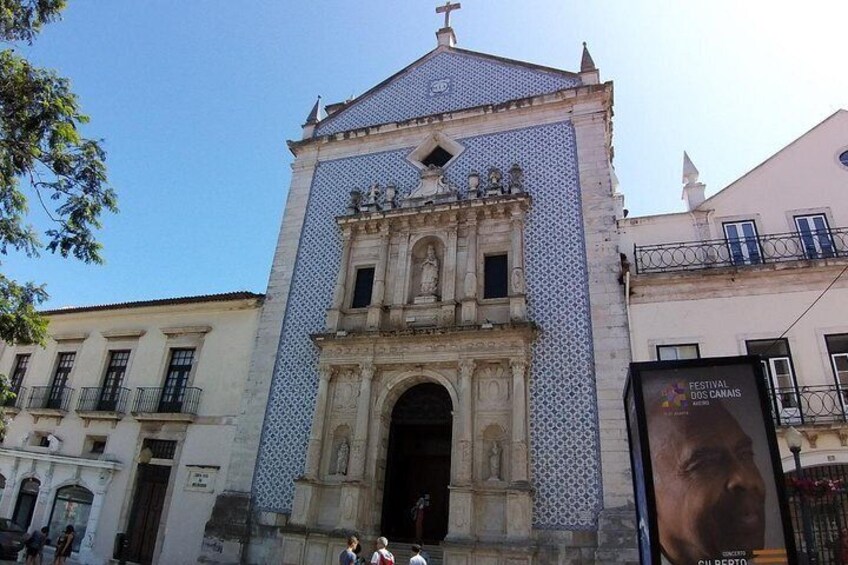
x: 64, y: 546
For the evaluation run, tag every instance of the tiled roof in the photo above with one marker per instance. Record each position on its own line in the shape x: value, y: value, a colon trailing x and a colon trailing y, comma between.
x: 222, y: 297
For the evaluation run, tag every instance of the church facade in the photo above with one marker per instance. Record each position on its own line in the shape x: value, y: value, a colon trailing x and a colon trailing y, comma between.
x: 444, y: 342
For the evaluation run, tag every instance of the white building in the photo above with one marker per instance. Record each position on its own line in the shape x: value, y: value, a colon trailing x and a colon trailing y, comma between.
x: 124, y: 422
x: 759, y: 268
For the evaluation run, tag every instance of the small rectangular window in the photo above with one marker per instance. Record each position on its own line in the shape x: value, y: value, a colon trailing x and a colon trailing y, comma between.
x: 363, y: 287
x: 495, y: 279
x: 160, y: 448
x: 678, y: 351
x: 98, y: 446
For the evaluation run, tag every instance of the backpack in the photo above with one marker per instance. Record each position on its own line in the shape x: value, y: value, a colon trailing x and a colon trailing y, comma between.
x: 387, y: 558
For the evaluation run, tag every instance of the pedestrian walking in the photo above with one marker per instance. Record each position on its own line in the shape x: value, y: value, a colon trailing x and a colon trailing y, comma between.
x: 64, y: 546
x: 382, y: 556
x: 348, y: 556
x: 416, y: 558
x: 34, y: 544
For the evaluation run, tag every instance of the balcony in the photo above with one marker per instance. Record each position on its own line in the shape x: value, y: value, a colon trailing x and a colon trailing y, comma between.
x: 809, y: 405
x: 98, y: 403
x: 166, y: 404
x: 15, y: 404
x: 762, y: 249
x: 49, y: 401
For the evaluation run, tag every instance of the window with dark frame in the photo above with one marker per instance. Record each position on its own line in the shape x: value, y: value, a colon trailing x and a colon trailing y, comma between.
x: 113, y: 379
x: 176, y: 380
x: 98, y: 446
x: 495, y: 276
x: 438, y: 157
x: 678, y: 351
x: 742, y: 242
x: 837, y: 349
x: 363, y: 285
x: 815, y: 236
x: 60, y: 379
x: 160, y: 448
x: 776, y: 360
x: 19, y: 372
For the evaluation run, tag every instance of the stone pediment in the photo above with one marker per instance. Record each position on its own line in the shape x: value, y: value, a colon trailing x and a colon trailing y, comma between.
x: 446, y: 80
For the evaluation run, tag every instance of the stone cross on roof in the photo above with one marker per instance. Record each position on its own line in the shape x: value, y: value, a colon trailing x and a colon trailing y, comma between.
x: 447, y: 9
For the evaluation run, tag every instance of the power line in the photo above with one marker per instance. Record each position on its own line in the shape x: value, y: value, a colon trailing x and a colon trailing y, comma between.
x: 810, y: 307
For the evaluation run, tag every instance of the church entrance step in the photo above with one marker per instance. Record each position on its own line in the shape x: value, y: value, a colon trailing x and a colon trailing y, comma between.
x: 432, y: 553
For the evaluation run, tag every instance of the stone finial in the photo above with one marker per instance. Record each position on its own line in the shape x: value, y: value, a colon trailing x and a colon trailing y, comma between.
x: 586, y: 63
x: 473, y: 184
x: 445, y: 36
x: 355, y: 202
x: 516, y: 179
x: 391, y: 195
x: 693, y: 191
x: 690, y: 172
x: 317, y: 113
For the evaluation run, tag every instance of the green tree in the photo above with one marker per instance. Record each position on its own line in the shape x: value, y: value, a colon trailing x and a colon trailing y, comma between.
x: 43, y: 159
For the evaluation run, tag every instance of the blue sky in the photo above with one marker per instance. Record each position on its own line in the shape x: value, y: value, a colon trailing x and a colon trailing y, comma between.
x: 195, y: 100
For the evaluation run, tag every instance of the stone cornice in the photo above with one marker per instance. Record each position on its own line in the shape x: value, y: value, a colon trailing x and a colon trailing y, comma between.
x: 62, y: 459
x: 445, y: 335
x: 571, y: 95
x: 724, y: 282
x: 372, y: 221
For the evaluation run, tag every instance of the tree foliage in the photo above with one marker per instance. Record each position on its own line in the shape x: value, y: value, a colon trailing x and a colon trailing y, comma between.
x: 45, y: 160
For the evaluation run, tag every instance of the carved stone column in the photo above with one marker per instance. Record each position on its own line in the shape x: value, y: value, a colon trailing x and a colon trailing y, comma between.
x: 449, y: 284
x: 316, y: 436
x: 334, y: 313
x: 87, y: 545
x: 360, y: 435
x: 38, y: 515
x: 517, y: 299
x: 465, y: 445
x: 399, y: 297
x: 9, y: 490
x: 519, y: 465
x: 469, y: 285
x: 375, y: 310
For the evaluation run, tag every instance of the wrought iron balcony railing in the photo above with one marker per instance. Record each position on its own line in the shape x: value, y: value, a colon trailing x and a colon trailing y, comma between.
x: 100, y: 399
x: 770, y: 248
x: 16, y: 401
x: 167, y: 400
x: 50, y: 398
x: 809, y: 405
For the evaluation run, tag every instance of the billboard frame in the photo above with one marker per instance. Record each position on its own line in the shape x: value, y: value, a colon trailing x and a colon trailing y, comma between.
x: 634, y: 377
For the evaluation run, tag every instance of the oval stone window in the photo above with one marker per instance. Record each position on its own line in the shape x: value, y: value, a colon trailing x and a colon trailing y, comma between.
x: 843, y: 158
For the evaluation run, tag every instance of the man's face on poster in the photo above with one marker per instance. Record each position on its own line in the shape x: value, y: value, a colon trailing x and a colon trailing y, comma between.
x: 710, y: 493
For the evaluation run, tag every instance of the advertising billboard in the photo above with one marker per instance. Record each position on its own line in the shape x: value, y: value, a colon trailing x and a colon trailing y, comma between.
x: 707, y: 478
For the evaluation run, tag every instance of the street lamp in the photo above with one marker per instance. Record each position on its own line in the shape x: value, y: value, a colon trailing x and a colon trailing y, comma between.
x: 794, y: 440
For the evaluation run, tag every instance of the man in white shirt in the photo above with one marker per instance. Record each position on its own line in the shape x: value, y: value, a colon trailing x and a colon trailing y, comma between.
x: 382, y: 556
x: 416, y: 558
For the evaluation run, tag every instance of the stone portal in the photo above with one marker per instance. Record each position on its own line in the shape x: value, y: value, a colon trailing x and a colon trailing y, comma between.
x: 418, y: 466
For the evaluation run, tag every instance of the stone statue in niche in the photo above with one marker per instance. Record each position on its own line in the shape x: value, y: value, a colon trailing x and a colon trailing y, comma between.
x: 342, y: 457
x: 430, y: 273
x: 495, y: 462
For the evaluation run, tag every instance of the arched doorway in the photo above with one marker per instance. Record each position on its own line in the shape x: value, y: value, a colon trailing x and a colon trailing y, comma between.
x: 418, y: 463
x: 25, y: 505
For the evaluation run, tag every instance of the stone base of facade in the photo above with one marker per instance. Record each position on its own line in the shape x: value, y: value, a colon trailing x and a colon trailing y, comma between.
x: 617, y: 541
x: 273, y: 540
x: 227, y: 530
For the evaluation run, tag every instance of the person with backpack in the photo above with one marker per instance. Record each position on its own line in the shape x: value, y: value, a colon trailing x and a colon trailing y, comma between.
x: 34, y: 545
x: 382, y: 556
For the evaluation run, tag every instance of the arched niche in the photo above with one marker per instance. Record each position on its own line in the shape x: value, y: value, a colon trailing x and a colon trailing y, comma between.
x: 417, y: 257
x: 338, y: 460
